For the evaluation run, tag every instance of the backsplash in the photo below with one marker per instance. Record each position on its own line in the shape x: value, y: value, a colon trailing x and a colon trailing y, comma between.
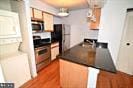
x: 87, y: 33
x: 43, y: 35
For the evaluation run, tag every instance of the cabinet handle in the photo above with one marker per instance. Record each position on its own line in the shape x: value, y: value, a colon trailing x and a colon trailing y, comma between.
x: 128, y: 44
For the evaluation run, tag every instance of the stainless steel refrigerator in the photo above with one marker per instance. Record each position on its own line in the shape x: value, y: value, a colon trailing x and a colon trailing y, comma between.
x: 61, y: 34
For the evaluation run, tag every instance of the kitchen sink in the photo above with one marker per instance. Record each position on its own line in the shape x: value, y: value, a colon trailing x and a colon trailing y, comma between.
x: 86, y: 45
x: 92, y: 45
x: 101, y: 45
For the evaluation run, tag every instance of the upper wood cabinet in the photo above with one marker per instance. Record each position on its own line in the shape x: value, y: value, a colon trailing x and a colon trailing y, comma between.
x: 48, y: 22
x: 97, y: 13
x: 43, y: 16
x: 31, y: 12
x: 36, y: 14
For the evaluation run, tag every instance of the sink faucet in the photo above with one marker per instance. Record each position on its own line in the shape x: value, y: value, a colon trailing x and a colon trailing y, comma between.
x: 93, y: 44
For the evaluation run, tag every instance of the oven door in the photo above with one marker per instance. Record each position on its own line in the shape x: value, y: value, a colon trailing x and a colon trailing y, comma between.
x: 42, y: 54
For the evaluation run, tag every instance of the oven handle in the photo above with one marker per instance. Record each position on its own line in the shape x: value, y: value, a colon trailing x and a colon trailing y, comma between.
x: 43, y: 50
x: 40, y: 49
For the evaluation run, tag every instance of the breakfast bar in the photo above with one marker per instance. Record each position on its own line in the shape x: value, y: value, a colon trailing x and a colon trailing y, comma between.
x: 84, y: 61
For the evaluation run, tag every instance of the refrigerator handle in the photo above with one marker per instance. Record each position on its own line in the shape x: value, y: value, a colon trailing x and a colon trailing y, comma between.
x: 63, y: 40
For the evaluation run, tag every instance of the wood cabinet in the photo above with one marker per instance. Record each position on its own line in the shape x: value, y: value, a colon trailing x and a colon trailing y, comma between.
x: 31, y: 12
x: 54, y: 50
x: 95, y: 24
x: 48, y: 22
x: 73, y: 75
x: 36, y: 14
x: 42, y: 16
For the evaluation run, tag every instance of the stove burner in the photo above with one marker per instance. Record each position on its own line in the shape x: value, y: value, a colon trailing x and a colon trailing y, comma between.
x: 38, y: 42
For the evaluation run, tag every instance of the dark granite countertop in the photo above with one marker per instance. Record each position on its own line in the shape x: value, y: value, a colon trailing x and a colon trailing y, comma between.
x: 90, y: 56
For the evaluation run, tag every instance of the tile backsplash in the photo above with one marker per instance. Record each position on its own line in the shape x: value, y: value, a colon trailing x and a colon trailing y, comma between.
x: 43, y: 35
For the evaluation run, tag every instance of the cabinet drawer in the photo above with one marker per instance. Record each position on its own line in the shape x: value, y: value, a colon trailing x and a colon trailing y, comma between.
x: 42, y: 65
x: 54, y: 45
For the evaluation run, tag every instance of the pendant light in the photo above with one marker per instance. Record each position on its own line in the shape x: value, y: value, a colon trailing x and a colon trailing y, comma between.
x: 63, y: 12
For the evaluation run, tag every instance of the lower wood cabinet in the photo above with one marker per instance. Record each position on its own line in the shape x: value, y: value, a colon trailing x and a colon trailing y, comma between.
x: 73, y: 75
x: 54, y: 50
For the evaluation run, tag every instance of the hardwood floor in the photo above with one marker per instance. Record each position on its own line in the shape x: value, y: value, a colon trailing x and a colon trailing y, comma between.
x: 110, y: 80
x: 49, y: 78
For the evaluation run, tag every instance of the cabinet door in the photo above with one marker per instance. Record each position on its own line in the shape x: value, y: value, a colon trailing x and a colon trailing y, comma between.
x: 48, y: 22
x: 38, y: 14
x: 9, y: 24
x: 54, y: 50
x: 31, y: 13
x: 73, y: 75
x: 54, y: 53
x: 97, y: 13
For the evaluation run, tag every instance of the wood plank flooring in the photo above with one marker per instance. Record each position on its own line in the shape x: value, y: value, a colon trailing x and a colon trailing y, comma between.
x: 118, y: 80
x: 49, y: 78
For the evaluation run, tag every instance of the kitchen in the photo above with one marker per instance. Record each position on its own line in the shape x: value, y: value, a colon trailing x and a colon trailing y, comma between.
x: 79, y: 27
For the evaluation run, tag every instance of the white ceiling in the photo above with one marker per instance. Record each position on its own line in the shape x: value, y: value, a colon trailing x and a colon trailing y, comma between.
x: 75, y: 4
x: 70, y: 4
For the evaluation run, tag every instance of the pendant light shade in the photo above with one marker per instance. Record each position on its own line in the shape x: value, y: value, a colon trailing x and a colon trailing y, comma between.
x: 63, y: 12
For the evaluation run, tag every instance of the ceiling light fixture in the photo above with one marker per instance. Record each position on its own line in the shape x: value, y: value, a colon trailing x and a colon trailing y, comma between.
x: 63, y: 12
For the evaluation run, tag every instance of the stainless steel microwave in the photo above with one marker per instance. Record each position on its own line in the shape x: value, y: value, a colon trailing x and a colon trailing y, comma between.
x: 37, y: 26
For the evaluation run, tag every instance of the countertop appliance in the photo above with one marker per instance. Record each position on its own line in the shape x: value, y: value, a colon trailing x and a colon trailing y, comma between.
x: 61, y: 34
x: 42, y: 52
x: 37, y: 26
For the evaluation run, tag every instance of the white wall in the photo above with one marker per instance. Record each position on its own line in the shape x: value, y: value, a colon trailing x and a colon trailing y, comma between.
x: 79, y: 26
x: 57, y: 20
x: 5, y: 5
x: 112, y: 22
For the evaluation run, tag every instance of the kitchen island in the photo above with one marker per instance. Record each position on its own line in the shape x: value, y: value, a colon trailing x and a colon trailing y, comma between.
x: 80, y: 65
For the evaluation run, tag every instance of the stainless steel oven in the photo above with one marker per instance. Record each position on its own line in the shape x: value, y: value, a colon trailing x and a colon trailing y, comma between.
x: 42, y: 55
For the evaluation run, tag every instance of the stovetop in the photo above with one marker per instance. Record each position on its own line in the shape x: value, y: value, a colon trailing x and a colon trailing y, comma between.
x: 38, y: 42
x: 41, y: 44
